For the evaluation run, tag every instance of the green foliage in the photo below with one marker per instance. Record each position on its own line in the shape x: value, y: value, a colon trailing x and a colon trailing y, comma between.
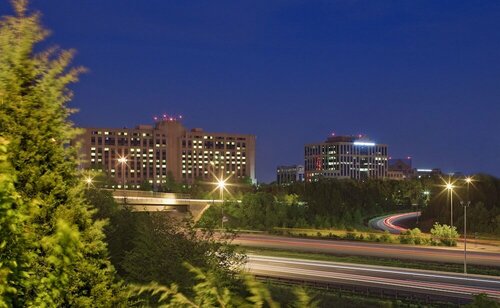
x: 483, y: 215
x: 208, y: 293
x: 11, y: 240
x: 444, y: 235
x: 482, y: 301
x: 34, y: 118
x: 385, y: 237
x: 412, y: 236
x: 161, y: 244
x: 338, y: 204
x: 303, y: 300
x: 63, y: 251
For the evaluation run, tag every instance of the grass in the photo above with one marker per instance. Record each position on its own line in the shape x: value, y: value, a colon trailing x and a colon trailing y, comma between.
x: 435, y: 266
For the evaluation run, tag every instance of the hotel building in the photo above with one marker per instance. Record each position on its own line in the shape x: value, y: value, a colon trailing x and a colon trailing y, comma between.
x: 345, y: 157
x: 152, y: 152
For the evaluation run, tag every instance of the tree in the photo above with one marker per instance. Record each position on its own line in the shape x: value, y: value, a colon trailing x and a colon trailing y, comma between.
x: 444, y: 235
x: 11, y: 239
x: 34, y: 118
x: 161, y: 244
x: 207, y: 293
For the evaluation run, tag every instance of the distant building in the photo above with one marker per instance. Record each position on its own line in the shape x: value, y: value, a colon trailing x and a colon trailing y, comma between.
x: 154, y: 151
x: 426, y: 173
x: 399, y: 168
x: 396, y: 175
x: 345, y: 157
x: 290, y: 174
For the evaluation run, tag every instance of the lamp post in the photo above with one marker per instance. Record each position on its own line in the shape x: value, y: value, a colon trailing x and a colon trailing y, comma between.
x: 123, y: 161
x: 466, y: 204
x: 221, y: 184
x: 450, y: 186
x: 426, y: 194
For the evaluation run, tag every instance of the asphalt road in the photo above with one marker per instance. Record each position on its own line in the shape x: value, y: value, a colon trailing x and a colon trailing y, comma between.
x: 427, y: 284
x: 391, y: 223
x: 405, y: 252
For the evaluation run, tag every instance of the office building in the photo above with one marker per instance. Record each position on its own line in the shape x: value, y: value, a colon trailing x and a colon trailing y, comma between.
x: 152, y: 152
x: 289, y: 174
x: 345, y: 157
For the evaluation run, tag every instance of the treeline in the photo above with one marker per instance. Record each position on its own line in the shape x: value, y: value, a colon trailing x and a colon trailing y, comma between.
x: 324, y: 204
x: 483, y: 214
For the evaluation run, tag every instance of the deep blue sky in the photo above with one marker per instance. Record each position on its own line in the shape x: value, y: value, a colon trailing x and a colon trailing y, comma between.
x: 421, y: 76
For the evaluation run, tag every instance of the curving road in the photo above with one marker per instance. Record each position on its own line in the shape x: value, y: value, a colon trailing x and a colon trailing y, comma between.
x: 391, y: 222
x: 406, y: 252
x: 401, y: 282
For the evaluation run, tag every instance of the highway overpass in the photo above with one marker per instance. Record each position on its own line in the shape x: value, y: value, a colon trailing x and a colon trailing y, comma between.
x: 176, y: 204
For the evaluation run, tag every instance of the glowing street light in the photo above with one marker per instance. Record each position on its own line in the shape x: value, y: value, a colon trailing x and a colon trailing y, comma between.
x: 123, y: 161
x: 89, y: 181
x: 449, y: 187
x: 221, y: 184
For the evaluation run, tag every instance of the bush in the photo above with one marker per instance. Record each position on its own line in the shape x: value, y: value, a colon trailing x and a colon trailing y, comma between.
x: 444, y: 235
x: 350, y: 236
x: 411, y: 236
x: 372, y: 237
x: 386, y: 237
x: 482, y: 301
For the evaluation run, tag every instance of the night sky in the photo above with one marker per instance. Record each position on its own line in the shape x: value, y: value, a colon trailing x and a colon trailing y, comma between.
x: 420, y: 76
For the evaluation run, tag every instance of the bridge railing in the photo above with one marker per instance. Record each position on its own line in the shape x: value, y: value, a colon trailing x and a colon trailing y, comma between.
x: 148, y: 194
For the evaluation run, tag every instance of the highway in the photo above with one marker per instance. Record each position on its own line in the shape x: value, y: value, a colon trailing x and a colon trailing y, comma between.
x: 405, y: 252
x: 389, y: 281
x: 390, y: 223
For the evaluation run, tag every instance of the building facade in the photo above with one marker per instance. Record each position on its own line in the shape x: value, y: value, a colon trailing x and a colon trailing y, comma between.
x: 289, y: 174
x: 345, y: 157
x: 400, y: 168
x: 150, y: 153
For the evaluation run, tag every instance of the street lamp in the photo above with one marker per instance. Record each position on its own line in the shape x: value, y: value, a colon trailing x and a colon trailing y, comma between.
x: 466, y: 204
x: 468, y: 180
x: 89, y: 181
x: 449, y: 187
x: 123, y: 161
x: 221, y: 185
